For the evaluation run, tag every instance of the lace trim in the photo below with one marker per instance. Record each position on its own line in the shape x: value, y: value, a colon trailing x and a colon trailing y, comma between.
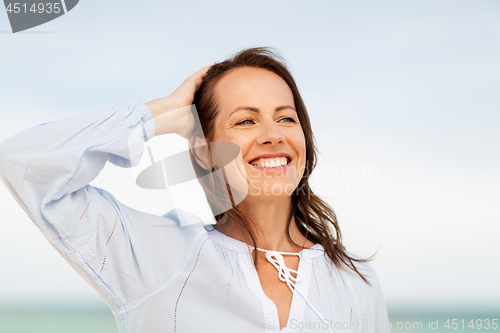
x: 89, y: 251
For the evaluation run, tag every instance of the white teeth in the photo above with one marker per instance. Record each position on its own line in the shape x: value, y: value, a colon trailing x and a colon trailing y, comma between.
x: 271, y: 163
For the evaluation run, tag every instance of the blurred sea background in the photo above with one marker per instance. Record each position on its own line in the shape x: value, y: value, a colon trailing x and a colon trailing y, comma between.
x: 403, y: 100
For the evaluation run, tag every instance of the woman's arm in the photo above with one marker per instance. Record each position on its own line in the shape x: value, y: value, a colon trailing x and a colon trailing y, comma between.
x: 44, y: 165
x: 47, y: 169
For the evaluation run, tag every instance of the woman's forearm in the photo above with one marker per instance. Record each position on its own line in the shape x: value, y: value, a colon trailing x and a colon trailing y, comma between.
x: 47, y: 163
x: 171, y: 117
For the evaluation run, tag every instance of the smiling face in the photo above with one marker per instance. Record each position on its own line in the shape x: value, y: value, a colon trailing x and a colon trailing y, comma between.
x: 256, y: 112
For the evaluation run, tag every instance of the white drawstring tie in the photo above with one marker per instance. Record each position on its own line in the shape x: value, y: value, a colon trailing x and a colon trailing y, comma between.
x: 284, y: 273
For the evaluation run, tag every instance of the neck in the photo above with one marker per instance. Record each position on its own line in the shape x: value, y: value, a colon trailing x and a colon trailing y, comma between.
x: 271, y: 219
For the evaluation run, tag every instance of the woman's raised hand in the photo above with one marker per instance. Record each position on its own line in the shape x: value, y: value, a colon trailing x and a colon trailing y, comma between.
x: 172, y: 114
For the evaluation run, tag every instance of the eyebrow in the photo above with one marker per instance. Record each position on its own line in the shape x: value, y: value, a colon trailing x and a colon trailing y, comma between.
x: 249, y: 108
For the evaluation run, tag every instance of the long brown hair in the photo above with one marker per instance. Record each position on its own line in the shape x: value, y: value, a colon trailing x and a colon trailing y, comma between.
x: 314, y: 218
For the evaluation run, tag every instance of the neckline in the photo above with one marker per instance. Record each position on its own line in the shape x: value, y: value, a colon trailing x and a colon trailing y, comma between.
x: 235, y: 245
x: 297, y: 306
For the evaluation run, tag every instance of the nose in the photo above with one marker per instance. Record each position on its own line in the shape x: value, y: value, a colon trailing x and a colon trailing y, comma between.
x: 270, y: 134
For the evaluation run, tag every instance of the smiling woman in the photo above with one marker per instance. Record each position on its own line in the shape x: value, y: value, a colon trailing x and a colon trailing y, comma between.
x: 274, y: 261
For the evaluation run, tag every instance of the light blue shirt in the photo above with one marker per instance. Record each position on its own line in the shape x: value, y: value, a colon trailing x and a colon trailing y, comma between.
x: 155, y: 275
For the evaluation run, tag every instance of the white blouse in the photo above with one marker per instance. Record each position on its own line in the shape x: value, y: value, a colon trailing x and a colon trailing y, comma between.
x: 154, y: 274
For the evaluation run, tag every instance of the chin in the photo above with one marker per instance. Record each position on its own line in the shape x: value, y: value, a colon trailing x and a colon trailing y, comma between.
x: 267, y: 188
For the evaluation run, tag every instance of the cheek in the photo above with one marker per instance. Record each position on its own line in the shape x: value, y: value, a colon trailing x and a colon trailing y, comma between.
x: 300, y: 147
x: 298, y: 141
x: 242, y: 138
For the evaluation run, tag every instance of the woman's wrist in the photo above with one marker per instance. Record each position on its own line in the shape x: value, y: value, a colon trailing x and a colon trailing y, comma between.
x: 169, y: 116
x: 158, y: 106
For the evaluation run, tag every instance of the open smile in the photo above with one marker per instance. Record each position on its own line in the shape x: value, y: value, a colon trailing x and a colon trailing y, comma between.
x: 271, y: 164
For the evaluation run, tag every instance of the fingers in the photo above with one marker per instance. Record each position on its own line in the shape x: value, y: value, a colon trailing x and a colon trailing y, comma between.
x: 197, y: 77
x: 199, y: 74
x: 193, y: 82
x: 184, y: 94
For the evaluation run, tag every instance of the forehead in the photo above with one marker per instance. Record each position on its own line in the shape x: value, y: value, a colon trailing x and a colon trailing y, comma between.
x: 252, y: 86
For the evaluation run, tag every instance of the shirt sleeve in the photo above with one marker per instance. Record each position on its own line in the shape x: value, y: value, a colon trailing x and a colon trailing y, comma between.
x: 47, y: 169
x: 372, y: 316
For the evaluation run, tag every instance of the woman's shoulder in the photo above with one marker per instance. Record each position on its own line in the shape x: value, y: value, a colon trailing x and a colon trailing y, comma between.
x: 176, y: 227
x: 184, y: 219
x: 369, y: 296
x: 366, y: 269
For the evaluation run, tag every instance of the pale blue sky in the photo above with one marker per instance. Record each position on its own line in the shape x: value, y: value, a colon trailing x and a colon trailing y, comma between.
x: 406, y: 89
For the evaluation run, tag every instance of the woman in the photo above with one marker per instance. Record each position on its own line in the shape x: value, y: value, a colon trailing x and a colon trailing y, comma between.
x: 201, y: 278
